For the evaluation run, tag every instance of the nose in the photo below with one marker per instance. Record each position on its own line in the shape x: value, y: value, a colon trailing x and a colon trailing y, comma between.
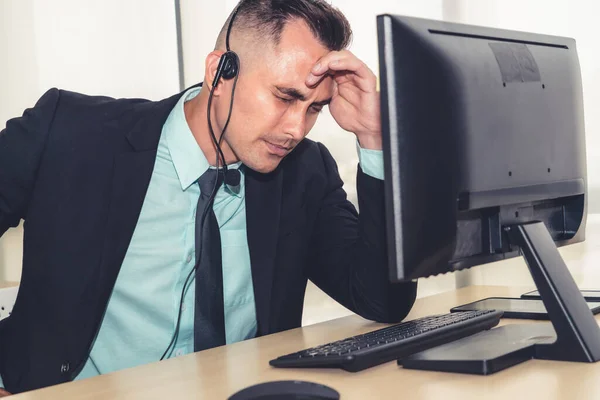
x: 295, y: 123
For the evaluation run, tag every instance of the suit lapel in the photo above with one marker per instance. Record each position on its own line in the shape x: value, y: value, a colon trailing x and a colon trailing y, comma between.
x: 263, y: 210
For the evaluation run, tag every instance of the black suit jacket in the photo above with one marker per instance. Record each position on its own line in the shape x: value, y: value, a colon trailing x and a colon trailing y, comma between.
x: 76, y: 169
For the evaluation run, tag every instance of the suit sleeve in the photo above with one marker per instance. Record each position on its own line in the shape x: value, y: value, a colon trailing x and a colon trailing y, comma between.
x: 22, y: 144
x: 349, y: 251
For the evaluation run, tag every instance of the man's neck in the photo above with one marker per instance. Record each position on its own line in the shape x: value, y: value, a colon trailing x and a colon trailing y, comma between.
x: 196, y: 116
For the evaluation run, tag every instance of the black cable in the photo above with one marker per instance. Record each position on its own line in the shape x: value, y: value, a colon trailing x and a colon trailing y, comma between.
x: 226, y: 122
x: 231, y: 25
x: 212, y: 133
x: 212, y: 196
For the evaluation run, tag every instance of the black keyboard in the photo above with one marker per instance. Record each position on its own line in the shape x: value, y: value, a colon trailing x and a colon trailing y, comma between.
x: 364, y: 351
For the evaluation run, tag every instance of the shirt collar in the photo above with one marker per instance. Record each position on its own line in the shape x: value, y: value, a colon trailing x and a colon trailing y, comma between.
x: 188, y: 158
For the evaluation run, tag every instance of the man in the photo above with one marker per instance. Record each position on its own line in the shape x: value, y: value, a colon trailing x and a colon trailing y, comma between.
x: 110, y: 191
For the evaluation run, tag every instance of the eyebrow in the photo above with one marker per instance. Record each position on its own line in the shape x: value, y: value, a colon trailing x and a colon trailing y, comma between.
x: 295, y: 94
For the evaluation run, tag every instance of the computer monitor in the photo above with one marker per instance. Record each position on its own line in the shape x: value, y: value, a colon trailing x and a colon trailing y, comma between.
x: 484, y: 154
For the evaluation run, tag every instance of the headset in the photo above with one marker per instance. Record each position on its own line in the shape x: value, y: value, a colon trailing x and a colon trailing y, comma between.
x: 228, y: 68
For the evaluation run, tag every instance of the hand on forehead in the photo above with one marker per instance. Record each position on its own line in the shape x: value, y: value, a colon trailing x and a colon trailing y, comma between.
x: 291, y: 62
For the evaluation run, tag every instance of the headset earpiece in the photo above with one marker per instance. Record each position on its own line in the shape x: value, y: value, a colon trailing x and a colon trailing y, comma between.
x: 228, y: 67
x: 231, y: 67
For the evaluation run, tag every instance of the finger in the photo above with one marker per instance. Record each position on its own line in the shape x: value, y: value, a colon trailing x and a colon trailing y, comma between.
x: 350, y: 79
x: 322, y: 65
x: 336, y: 61
x: 319, y: 70
x: 346, y: 71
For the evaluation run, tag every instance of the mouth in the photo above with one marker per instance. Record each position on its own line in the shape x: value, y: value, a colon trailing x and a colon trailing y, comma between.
x: 277, y: 150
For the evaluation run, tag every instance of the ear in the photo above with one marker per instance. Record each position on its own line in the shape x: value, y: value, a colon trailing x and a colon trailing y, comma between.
x: 210, y: 70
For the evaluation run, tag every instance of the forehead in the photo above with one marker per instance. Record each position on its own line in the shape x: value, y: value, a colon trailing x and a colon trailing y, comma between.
x: 289, y: 63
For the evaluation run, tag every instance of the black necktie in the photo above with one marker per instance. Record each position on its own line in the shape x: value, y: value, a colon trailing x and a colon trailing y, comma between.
x: 209, y: 313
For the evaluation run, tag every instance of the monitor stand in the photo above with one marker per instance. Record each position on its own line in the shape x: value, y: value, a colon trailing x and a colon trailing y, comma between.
x: 572, y: 335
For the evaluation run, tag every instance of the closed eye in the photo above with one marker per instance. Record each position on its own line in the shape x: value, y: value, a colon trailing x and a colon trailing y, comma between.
x: 285, y: 99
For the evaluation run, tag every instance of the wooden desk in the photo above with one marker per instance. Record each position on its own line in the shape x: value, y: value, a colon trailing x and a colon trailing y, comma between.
x: 220, y: 372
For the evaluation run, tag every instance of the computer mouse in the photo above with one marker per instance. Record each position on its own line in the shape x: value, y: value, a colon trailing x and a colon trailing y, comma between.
x: 287, y: 390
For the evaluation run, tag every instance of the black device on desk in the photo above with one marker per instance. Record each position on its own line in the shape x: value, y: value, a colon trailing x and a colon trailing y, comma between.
x: 287, y: 390
x: 484, y: 153
x: 588, y: 295
x: 516, y: 307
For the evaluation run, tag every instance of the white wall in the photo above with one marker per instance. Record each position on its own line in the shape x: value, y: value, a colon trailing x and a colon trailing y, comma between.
x: 120, y: 48
x: 18, y: 63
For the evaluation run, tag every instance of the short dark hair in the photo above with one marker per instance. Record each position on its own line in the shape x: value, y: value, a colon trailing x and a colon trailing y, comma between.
x: 269, y: 17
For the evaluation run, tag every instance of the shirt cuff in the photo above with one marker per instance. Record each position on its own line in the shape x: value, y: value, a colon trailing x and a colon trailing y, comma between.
x: 371, y: 161
x: 1, y: 382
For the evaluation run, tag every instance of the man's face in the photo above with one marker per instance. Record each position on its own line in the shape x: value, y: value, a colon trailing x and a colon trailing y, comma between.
x: 273, y: 108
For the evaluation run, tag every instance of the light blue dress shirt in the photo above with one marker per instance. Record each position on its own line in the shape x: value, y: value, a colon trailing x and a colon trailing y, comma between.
x: 142, y: 312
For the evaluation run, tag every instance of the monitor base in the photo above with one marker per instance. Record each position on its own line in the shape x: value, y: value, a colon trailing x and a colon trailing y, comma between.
x: 485, y: 352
